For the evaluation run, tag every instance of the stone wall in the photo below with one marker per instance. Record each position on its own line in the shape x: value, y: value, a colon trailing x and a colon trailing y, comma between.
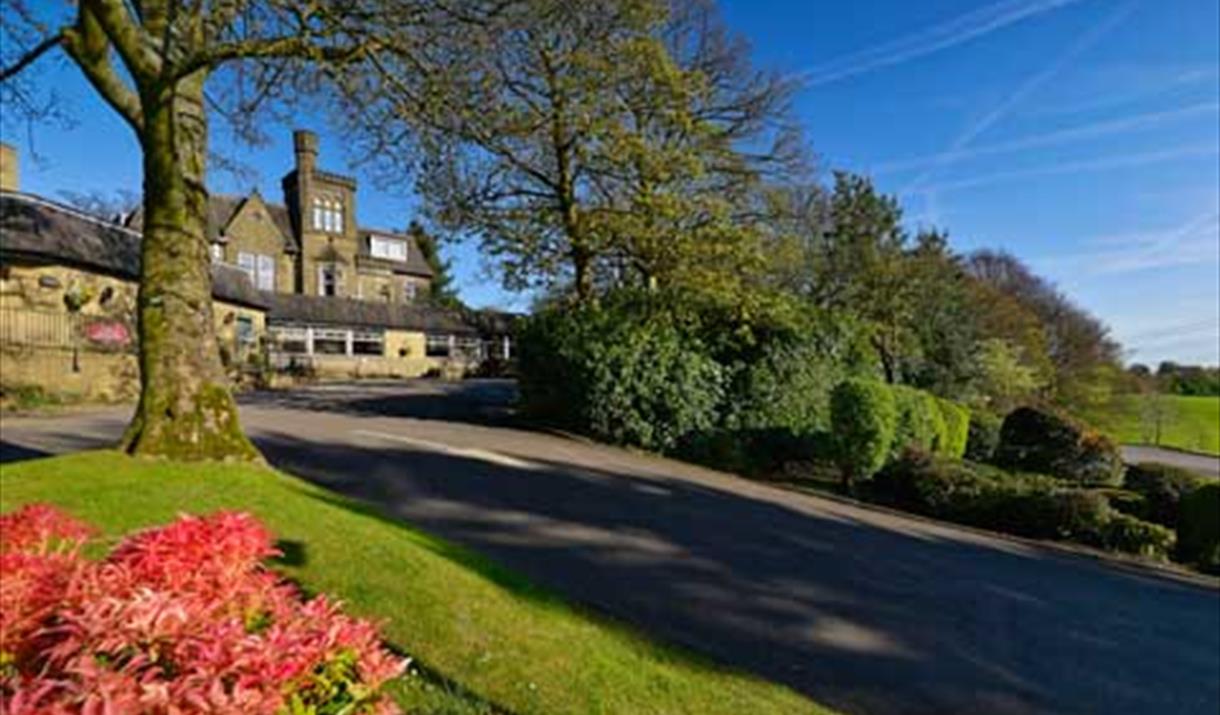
x: 252, y: 230
x: 73, y: 333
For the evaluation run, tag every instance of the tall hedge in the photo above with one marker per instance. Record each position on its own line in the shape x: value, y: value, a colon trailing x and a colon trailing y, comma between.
x: 983, y: 435
x: 1199, y: 528
x: 864, y: 419
x: 956, y: 420
x: 621, y: 377
x: 919, y: 425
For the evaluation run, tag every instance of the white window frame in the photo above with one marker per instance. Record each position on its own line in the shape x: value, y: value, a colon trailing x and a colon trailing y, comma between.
x: 218, y: 252
x: 390, y: 249
x: 410, y: 291
x: 336, y: 278
x: 248, y: 263
x: 266, y: 271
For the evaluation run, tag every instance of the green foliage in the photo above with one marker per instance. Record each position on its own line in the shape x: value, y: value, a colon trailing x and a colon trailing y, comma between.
x: 1192, y: 380
x: 1003, y: 378
x: 1177, y: 421
x: 578, y: 662
x: 624, y: 378
x: 1162, y: 487
x: 920, y: 424
x: 1028, y: 505
x: 1199, y: 528
x: 1042, y: 441
x: 441, y: 290
x: 956, y: 420
x: 864, y: 419
x: 983, y: 436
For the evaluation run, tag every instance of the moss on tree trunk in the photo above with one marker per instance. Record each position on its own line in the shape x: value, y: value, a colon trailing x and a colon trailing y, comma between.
x: 186, y: 410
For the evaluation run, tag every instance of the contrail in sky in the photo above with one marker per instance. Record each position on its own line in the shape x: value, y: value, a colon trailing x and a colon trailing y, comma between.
x: 943, y: 35
x: 1130, y: 160
x: 1088, y: 131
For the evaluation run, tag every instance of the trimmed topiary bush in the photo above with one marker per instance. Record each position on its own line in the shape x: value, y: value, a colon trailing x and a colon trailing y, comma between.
x: 1162, y: 487
x: 864, y: 418
x: 1040, y: 441
x: 983, y: 436
x: 1029, y: 505
x: 919, y: 425
x: 956, y: 419
x: 1199, y: 528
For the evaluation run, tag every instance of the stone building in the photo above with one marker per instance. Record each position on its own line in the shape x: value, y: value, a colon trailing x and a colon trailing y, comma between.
x: 299, y: 286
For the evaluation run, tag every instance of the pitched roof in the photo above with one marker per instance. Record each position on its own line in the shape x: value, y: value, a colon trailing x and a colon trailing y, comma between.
x: 415, y: 264
x: 34, y: 227
x: 330, y: 310
x: 221, y: 210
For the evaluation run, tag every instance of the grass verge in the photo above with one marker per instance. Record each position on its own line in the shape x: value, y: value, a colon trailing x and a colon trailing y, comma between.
x: 511, y: 644
x: 1189, y: 423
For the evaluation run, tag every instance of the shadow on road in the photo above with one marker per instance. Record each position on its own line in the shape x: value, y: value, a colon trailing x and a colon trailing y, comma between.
x: 481, y: 402
x: 861, y: 618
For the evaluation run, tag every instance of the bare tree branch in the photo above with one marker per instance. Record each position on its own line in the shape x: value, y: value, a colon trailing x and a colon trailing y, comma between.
x: 31, y: 56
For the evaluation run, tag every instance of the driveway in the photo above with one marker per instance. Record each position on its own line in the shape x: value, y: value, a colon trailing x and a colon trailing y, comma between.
x: 1206, y: 465
x: 862, y: 610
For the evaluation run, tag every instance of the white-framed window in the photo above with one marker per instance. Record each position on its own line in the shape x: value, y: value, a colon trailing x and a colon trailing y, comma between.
x: 218, y: 252
x: 245, y: 330
x: 390, y: 249
x: 437, y: 345
x: 290, y: 340
x: 327, y: 341
x: 409, y: 291
x: 328, y: 279
x: 259, y: 267
x: 327, y: 214
x: 266, y: 272
x: 368, y: 342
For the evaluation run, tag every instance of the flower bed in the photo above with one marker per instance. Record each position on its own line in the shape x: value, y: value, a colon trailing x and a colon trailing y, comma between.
x: 182, y: 618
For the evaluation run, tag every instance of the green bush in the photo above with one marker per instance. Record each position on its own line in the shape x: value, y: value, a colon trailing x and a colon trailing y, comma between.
x: 1029, y: 505
x: 983, y: 436
x: 1199, y: 528
x: 920, y: 425
x: 1162, y: 487
x: 618, y: 376
x: 864, y: 417
x: 956, y: 419
x: 1123, y: 532
x: 1040, y: 441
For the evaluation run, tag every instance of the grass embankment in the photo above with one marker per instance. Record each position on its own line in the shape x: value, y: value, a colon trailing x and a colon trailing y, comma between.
x: 514, y: 645
x: 1189, y: 423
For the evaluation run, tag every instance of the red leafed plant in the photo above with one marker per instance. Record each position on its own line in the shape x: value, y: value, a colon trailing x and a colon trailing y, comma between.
x: 178, y: 619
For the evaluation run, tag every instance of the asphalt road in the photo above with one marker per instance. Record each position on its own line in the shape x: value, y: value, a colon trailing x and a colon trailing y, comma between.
x: 862, y: 610
x: 1201, y: 463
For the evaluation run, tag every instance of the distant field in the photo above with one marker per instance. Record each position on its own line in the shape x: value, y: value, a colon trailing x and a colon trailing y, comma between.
x: 1190, y: 423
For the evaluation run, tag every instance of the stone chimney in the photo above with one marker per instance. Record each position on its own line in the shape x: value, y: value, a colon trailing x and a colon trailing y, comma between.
x: 9, y: 178
x: 305, y: 145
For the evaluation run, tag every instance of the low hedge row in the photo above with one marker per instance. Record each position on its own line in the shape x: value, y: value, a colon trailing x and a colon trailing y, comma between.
x: 1035, y: 506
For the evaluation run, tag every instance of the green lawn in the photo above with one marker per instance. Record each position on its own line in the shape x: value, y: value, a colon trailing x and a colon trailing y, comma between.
x: 1190, y: 423
x: 462, y: 618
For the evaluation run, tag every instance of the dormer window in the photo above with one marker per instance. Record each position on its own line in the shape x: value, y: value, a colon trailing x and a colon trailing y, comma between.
x: 327, y: 214
x: 391, y: 249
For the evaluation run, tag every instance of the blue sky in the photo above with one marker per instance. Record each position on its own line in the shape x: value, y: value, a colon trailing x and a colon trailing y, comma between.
x: 1081, y: 135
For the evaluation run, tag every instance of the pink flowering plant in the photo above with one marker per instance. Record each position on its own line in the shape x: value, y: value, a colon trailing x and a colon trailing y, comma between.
x: 179, y: 619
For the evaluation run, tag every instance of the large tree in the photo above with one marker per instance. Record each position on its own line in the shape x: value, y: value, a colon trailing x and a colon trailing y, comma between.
x: 584, y: 145
x: 150, y: 61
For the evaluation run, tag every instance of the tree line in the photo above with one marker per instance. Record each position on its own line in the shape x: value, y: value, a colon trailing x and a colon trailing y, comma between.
x: 590, y: 149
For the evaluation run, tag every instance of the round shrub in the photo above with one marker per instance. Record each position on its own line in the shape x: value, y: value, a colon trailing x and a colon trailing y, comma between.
x: 956, y: 420
x: 864, y: 417
x: 1162, y: 487
x: 619, y: 376
x: 920, y: 425
x: 1126, y: 533
x: 1040, y: 441
x: 1199, y: 528
x: 983, y: 436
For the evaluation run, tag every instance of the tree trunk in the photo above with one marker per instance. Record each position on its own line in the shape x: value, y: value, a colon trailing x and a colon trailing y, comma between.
x: 186, y: 410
